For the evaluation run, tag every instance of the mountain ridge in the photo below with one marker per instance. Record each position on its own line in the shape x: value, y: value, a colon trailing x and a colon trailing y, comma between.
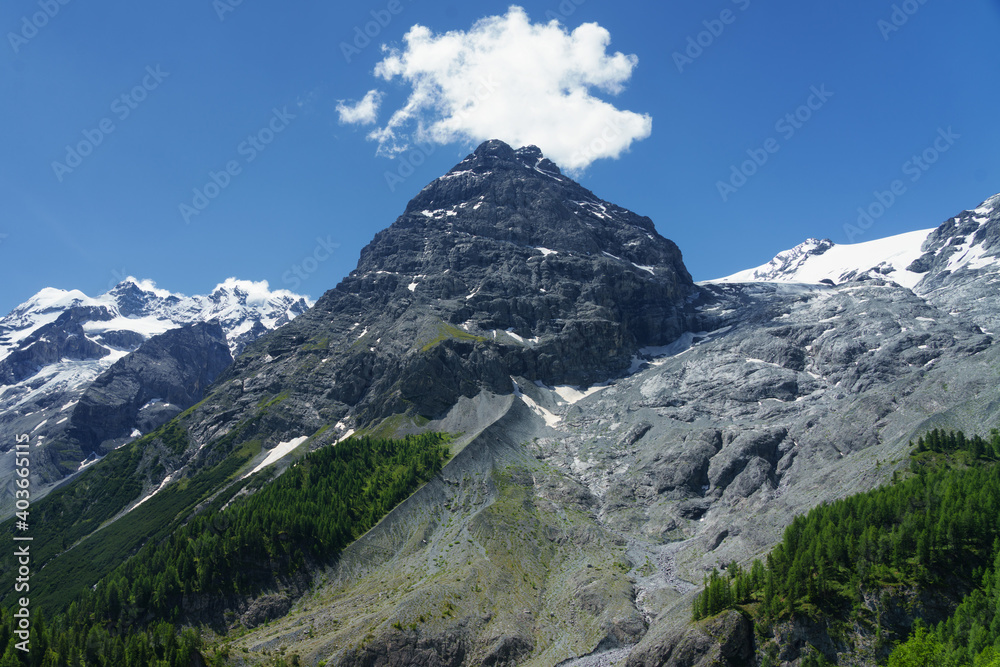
x: 620, y: 431
x: 908, y: 259
x: 61, y: 346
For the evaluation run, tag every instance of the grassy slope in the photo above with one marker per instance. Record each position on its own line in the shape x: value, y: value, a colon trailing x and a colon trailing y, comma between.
x: 502, y: 553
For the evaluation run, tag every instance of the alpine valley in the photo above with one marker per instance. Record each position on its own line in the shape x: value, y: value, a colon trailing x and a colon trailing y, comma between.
x: 518, y: 433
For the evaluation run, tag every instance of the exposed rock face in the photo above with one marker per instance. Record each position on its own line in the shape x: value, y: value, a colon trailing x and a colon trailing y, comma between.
x: 961, y: 265
x: 726, y: 640
x: 53, y: 346
x: 52, y: 343
x: 501, y: 267
x: 144, y: 389
x: 164, y: 377
x: 407, y: 649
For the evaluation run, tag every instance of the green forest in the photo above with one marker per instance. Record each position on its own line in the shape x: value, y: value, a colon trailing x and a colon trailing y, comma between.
x: 934, y: 528
x: 937, y: 527
x: 303, y: 519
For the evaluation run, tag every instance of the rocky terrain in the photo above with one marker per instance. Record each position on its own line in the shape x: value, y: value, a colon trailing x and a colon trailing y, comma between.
x: 657, y: 455
x: 84, y: 375
x: 147, y: 388
x: 619, y: 430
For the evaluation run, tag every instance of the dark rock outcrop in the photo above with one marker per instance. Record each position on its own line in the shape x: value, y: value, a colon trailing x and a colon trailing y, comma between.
x: 166, y: 375
x: 502, y: 267
x: 726, y: 640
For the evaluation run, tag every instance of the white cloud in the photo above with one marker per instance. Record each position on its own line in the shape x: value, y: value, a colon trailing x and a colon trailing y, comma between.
x: 507, y: 78
x: 364, y: 112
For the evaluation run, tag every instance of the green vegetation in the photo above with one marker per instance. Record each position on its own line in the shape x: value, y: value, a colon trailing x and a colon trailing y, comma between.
x: 316, y: 345
x: 98, y: 554
x: 270, y: 403
x: 68, y: 515
x: 936, y: 530
x: 939, y: 442
x: 393, y: 425
x: 971, y: 636
x: 448, y: 332
x: 306, y: 516
x: 161, y: 645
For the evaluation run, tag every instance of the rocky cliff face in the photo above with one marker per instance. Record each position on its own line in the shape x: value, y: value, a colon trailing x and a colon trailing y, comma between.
x: 619, y: 430
x: 501, y: 267
x: 165, y: 376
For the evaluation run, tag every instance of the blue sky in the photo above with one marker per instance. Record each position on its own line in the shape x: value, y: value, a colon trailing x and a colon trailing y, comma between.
x: 164, y: 96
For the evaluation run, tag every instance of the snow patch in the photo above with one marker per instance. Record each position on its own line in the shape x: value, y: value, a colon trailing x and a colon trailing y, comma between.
x: 276, y: 454
x: 751, y: 360
x: 644, y: 268
x: 163, y: 484
x: 521, y: 339
x: 574, y: 394
x: 89, y: 461
x: 550, y: 419
x: 658, y: 355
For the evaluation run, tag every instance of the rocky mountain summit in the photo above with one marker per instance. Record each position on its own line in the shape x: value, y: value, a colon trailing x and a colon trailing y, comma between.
x: 501, y: 267
x: 618, y: 431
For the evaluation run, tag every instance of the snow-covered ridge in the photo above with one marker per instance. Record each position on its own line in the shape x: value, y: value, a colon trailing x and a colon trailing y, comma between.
x: 814, y: 261
x: 141, y: 307
x: 47, y: 362
x: 989, y: 206
x: 961, y: 243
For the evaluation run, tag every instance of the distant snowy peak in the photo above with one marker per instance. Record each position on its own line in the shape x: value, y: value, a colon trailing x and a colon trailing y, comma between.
x: 784, y: 264
x: 244, y: 308
x: 57, y: 343
x: 139, y: 298
x: 969, y: 241
x: 818, y: 261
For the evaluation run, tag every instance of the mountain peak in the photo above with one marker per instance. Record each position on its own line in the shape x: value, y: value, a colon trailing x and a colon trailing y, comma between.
x: 518, y: 198
x: 502, y: 267
x: 968, y: 242
x: 495, y: 154
x: 494, y: 149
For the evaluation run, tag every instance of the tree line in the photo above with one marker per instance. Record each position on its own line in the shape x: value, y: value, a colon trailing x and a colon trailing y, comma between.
x: 305, y: 517
x: 940, y: 523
